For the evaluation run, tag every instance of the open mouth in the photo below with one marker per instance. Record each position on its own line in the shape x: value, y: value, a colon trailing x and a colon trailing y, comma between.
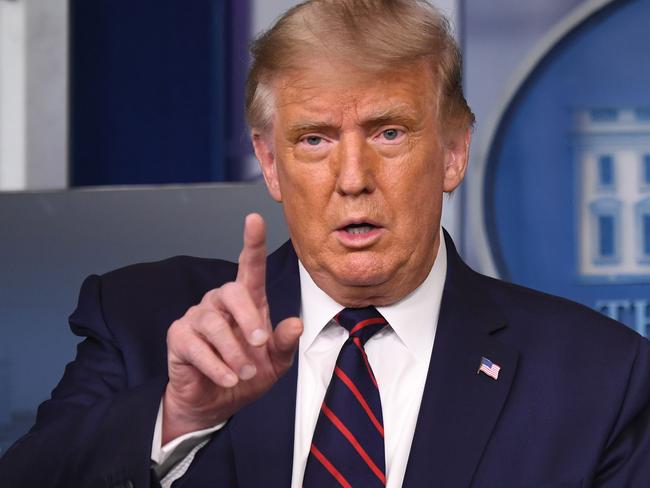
x: 360, y: 234
x: 359, y: 229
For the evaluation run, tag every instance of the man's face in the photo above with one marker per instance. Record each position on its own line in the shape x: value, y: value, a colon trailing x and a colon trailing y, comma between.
x: 359, y: 164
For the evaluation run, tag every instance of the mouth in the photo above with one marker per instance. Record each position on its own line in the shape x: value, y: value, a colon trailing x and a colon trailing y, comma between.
x: 358, y: 229
x: 359, y: 233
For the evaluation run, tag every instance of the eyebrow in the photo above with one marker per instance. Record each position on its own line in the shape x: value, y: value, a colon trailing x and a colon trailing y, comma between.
x: 304, y: 127
x: 397, y: 114
x: 394, y: 115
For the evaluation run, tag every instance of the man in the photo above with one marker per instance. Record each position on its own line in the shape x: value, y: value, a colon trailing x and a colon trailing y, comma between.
x: 218, y: 374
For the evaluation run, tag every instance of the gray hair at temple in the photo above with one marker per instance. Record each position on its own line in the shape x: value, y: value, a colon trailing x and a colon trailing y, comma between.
x: 373, y: 35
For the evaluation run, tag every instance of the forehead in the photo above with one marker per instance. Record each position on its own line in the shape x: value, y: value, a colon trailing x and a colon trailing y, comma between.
x: 334, y: 90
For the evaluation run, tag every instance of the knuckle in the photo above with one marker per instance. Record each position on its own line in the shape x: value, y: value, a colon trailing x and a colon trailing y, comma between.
x: 216, y: 327
x: 193, y: 310
x: 193, y: 352
x: 210, y: 297
x: 174, y: 330
x: 232, y: 289
x: 198, y: 317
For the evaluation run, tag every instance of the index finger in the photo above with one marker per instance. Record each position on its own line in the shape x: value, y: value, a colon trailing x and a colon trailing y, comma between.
x: 252, y: 260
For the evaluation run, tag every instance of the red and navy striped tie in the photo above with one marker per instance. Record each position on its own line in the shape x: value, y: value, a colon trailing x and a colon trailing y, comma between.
x: 348, y: 444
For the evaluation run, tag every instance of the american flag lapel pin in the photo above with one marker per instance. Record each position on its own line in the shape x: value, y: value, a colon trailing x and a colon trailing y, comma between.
x: 489, y: 368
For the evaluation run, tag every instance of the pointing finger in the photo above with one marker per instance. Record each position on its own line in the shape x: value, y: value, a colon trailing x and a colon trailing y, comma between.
x: 252, y: 260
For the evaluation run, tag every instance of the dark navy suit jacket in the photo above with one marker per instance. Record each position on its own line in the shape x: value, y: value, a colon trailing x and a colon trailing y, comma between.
x: 571, y: 406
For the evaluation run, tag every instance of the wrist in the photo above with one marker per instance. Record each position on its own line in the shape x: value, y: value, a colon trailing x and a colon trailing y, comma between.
x: 179, y: 419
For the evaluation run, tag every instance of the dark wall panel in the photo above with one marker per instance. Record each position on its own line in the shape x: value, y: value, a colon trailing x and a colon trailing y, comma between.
x: 156, y: 90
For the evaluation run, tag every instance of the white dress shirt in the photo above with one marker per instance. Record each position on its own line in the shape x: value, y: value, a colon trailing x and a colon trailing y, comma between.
x: 399, y: 356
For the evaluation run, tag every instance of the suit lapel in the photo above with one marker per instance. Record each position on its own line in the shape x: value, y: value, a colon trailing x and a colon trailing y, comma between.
x: 460, y: 407
x: 262, y: 432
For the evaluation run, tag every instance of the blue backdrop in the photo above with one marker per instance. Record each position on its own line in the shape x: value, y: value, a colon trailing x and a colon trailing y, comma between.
x: 157, y: 90
x: 533, y: 181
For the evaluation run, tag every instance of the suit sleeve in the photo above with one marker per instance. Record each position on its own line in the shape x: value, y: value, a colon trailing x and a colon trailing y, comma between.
x: 626, y: 461
x: 95, y: 430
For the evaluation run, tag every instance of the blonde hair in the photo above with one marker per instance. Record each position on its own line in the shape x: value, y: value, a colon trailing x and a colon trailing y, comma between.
x: 375, y: 35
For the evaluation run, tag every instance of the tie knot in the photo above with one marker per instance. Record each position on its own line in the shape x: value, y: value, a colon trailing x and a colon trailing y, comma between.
x: 361, y: 322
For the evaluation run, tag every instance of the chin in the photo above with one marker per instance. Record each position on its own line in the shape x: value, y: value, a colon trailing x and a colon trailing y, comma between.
x: 364, y: 281
x: 361, y: 273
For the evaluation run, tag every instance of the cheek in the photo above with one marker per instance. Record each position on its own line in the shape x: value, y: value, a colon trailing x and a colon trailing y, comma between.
x: 305, y: 180
x: 417, y: 182
x: 416, y: 197
x: 305, y: 195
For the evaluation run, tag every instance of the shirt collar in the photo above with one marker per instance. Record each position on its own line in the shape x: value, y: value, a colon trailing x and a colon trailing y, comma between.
x: 414, y: 318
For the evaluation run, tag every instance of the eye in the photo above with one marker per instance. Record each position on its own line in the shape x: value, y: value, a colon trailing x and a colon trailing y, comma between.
x: 313, y: 140
x: 391, y: 134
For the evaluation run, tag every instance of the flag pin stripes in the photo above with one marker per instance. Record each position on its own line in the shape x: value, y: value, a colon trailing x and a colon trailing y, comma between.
x: 489, y: 368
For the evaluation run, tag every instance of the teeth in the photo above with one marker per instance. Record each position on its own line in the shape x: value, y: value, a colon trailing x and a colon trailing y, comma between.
x: 362, y: 229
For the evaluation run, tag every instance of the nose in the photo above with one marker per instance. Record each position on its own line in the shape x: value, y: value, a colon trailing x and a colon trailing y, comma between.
x: 354, y: 166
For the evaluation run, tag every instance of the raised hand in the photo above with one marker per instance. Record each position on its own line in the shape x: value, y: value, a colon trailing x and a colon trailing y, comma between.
x: 223, y: 353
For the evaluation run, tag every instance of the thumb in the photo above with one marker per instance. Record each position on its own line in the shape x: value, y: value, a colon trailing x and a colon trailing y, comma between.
x: 285, y: 342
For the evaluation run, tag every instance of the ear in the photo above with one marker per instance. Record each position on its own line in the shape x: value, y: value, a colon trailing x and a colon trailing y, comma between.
x: 456, y: 158
x: 264, y: 151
